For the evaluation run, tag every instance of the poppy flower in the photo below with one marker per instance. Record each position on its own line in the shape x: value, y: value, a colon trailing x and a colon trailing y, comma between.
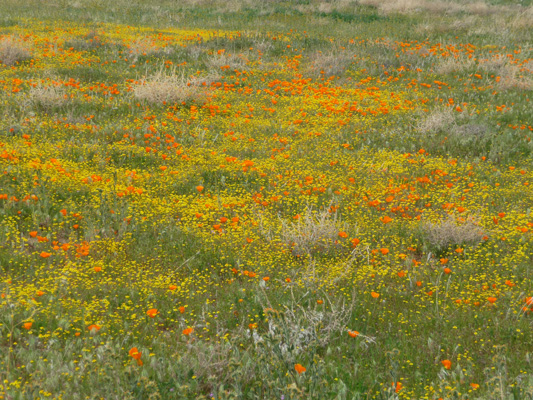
x: 188, y: 331
x: 447, y: 271
x: 182, y: 309
x: 386, y: 219
x: 374, y: 295
x: 136, y: 355
x: 299, y: 368
x: 492, y: 300
x: 353, y: 333
x: 93, y: 328
x: 447, y: 364
x: 343, y: 234
x: 27, y: 325
x: 172, y: 287
x: 44, y: 254
x: 199, y: 188
x: 152, y: 312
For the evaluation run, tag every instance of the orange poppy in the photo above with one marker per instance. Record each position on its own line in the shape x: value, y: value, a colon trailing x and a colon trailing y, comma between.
x: 152, y: 312
x: 492, y: 300
x: 447, y: 271
x: 374, y: 295
x: 136, y: 355
x: 93, y: 328
x: 343, y: 234
x: 27, y: 325
x: 299, y: 368
x: 188, y: 331
x: 199, y: 188
x: 447, y: 364
x: 172, y: 287
x: 182, y: 309
x: 353, y: 333
x: 44, y: 254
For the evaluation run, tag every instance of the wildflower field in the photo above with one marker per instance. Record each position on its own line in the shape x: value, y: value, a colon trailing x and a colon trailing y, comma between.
x: 266, y: 199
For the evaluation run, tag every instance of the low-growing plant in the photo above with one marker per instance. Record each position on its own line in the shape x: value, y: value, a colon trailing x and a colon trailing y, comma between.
x: 13, y: 50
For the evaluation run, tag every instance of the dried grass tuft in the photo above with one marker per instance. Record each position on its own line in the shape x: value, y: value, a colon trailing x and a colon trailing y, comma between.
x: 436, y: 121
x: 48, y: 97
x: 13, y: 50
x: 312, y: 234
x: 448, y: 233
x: 171, y: 88
x: 333, y: 63
x: 509, y: 76
x: 452, y: 65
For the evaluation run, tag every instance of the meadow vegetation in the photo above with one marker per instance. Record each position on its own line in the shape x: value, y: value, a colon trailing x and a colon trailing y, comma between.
x: 266, y: 199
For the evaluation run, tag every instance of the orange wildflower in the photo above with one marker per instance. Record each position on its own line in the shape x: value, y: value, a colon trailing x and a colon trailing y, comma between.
x: 299, y: 368
x: 27, y: 325
x: 374, y: 295
x: 152, y: 312
x: 188, y: 331
x: 353, y: 333
x: 93, y: 328
x: 447, y: 364
x: 44, y: 254
x: 136, y: 355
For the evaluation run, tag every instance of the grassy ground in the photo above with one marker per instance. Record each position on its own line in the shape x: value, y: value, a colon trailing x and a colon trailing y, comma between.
x: 266, y: 200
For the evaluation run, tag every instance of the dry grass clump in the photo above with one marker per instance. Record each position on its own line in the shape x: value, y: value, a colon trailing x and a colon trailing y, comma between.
x: 452, y: 65
x: 333, y: 63
x: 407, y: 6
x: 448, y: 233
x: 230, y: 61
x: 523, y: 20
x: 171, y: 88
x: 311, y: 233
x: 48, y: 97
x: 91, y: 41
x: 434, y: 7
x: 143, y: 47
x: 509, y: 75
x: 436, y: 121
x: 13, y: 50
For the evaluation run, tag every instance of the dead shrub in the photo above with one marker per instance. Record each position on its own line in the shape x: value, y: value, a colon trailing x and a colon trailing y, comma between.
x: 442, y: 235
x: 509, y: 76
x: 407, y: 6
x: 312, y: 233
x: 452, y: 65
x: 48, y: 97
x: 143, y: 47
x: 13, y: 50
x: 436, y: 121
x: 91, y: 41
x: 230, y: 61
x: 171, y: 88
x: 332, y: 63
